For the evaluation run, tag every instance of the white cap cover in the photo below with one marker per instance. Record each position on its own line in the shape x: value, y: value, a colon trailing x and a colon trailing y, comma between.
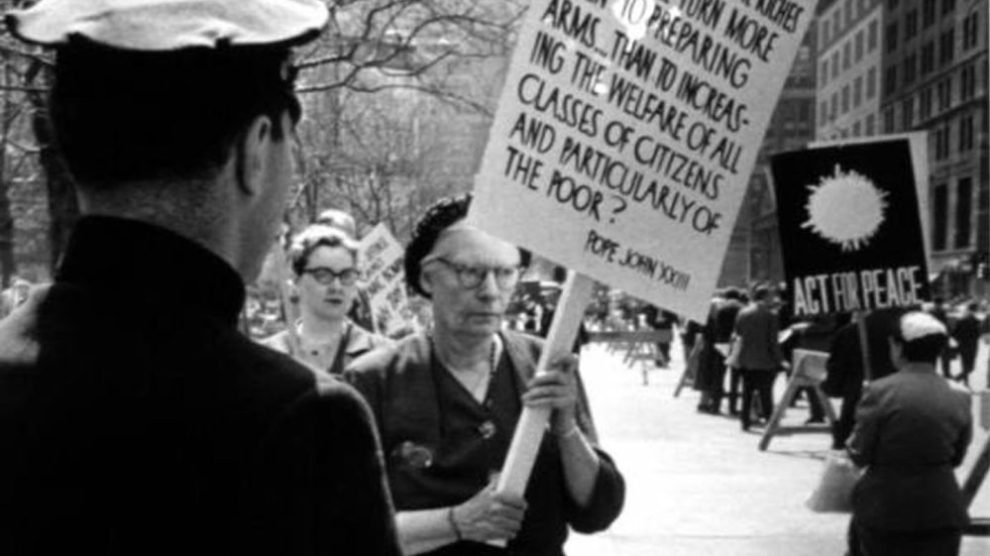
x: 164, y: 25
x: 918, y: 324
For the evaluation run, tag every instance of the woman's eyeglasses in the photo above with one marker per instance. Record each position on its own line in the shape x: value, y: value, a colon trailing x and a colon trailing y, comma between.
x: 326, y: 276
x: 470, y: 277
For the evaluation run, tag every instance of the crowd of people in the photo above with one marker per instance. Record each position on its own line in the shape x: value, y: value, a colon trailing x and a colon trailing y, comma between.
x: 906, y: 424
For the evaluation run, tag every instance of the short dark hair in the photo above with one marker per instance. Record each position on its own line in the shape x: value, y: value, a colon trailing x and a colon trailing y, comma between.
x: 441, y: 215
x: 761, y: 292
x: 121, y: 116
x: 314, y: 237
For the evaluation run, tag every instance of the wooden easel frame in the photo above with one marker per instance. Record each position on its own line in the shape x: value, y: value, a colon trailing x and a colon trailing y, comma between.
x: 808, y: 371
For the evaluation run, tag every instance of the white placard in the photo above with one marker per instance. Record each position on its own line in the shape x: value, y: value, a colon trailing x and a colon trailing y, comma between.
x: 384, y: 282
x: 626, y: 134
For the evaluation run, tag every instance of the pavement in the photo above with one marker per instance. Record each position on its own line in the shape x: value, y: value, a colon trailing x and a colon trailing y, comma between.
x: 698, y: 485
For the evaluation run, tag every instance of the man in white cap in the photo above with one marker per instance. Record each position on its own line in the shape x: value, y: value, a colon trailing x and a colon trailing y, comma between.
x: 134, y: 418
x: 912, y: 429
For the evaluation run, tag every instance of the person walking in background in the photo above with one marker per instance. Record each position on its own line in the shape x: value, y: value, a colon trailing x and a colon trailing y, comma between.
x: 844, y: 368
x: 326, y: 271
x: 757, y: 354
x: 912, y: 429
x: 137, y: 419
x: 967, y: 333
x: 716, y: 335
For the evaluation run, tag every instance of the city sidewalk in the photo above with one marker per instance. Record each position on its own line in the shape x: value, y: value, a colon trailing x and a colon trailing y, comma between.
x: 697, y: 485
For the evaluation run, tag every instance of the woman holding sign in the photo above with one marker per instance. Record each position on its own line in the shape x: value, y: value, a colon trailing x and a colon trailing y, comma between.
x: 325, y: 268
x: 447, y: 402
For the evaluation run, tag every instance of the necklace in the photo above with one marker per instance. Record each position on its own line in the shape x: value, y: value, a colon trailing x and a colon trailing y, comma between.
x: 479, y: 389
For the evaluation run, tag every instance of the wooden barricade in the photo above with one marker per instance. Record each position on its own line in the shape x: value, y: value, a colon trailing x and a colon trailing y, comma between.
x: 808, y: 371
x: 640, y: 346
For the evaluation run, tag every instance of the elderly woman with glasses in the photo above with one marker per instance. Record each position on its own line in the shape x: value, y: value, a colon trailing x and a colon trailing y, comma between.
x: 325, y: 266
x: 447, y: 402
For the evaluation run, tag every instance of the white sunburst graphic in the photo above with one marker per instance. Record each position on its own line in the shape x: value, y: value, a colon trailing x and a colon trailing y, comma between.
x: 846, y: 209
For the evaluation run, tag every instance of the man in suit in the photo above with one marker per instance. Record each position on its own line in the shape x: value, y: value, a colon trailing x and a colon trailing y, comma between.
x: 757, y: 354
x: 134, y: 418
x: 912, y: 429
x: 845, y: 373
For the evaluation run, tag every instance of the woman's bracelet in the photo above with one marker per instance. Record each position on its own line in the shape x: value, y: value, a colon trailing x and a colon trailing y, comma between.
x: 453, y: 524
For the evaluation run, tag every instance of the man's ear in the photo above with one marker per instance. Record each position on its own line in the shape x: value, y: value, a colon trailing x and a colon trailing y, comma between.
x: 426, y: 281
x: 252, y: 155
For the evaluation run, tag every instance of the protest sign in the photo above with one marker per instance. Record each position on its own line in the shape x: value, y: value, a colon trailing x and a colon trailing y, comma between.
x: 626, y: 134
x: 385, y: 283
x: 850, y: 229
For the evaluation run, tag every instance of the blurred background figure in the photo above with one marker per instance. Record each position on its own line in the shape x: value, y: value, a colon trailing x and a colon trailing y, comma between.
x: 966, y: 332
x: 14, y: 296
x: 326, y: 273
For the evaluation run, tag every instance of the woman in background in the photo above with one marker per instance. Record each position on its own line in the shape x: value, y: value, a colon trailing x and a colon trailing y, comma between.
x: 326, y: 271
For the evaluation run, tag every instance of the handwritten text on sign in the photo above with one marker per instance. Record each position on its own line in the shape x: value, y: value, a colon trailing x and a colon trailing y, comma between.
x: 627, y: 131
x: 384, y: 280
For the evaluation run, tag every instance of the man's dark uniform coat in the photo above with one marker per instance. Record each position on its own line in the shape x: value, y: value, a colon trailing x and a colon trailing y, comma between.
x: 136, y: 420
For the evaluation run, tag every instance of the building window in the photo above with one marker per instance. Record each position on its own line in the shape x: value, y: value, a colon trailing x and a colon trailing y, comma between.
x: 846, y: 55
x: 910, y: 25
x: 871, y: 125
x: 940, y: 210
x: 871, y: 82
x: 928, y: 14
x: 837, y: 21
x: 857, y: 129
x: 826, y: 24
x: 823, y: 112
x: 946, y: 47
x: 824, y: 78
x: 942, y: 142
x: 888, y: 120
x: 845, y: 98
x: 910, y: 68
x: 927, y: 57
x: 835, y: 105
x: 970, y: 27
x: 925, y: 104
x: 871, y: 38
x: 890, y: 81
x: 835, y: 64
x: 966, y: 133
x: 967, y: 82
x: 858, y: 91
x: 964, y: 211
x: 891, y: 37
x: 907, y: 113
x: 944, y: 93
x: 948, y: 6
x: 849, y: 12
x: 859, y: 45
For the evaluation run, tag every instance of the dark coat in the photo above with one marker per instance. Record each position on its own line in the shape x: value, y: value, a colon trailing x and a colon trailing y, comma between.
x: 137, y: 420
x: 404, y: 388
x: 757, y: 347
x: 912, y: 429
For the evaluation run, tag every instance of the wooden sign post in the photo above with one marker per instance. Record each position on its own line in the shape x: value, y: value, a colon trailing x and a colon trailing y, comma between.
x: 533, y: 422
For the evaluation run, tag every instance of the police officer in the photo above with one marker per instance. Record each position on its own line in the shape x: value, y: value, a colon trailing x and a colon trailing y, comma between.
x: 134, y: 418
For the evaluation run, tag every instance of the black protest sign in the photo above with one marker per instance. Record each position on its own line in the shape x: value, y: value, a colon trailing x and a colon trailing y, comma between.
x: 850, y: 227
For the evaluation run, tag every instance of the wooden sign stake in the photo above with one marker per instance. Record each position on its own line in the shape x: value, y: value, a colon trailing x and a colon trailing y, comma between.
x: 533, y: 422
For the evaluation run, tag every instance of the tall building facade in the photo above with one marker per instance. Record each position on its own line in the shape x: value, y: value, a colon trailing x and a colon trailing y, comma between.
x: 850, y: 39
x: 935, y: 78
x: 754, y: 250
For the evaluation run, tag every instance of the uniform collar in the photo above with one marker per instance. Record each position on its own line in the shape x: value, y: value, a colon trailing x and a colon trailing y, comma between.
x: 132, y: 260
